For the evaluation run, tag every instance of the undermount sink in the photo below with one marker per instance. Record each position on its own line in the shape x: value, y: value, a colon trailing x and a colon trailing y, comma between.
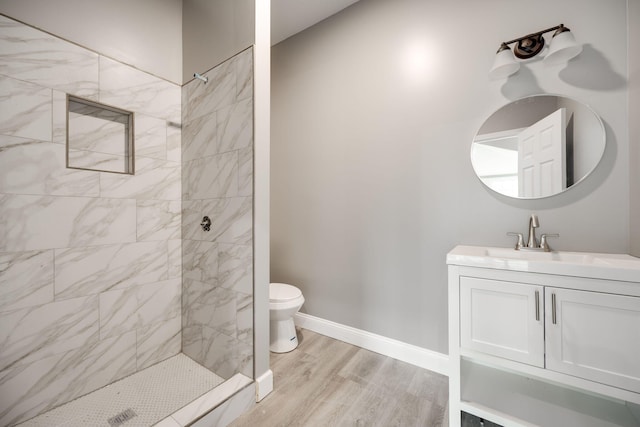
x: 609, y: 266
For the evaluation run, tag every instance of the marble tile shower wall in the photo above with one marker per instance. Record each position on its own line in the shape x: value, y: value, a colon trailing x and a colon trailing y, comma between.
x: 217, y: 181
x: 90, y: 262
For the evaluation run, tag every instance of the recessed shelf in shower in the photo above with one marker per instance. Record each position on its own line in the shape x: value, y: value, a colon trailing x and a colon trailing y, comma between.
x: 99, y: 137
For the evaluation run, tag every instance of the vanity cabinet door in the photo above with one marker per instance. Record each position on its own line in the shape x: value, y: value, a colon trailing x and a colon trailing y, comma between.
x: 503, y: 319
x: 594, y: 336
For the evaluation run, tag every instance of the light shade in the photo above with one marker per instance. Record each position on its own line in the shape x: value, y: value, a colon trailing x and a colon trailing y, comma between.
x: 563, y: 48
x: 504, y: 65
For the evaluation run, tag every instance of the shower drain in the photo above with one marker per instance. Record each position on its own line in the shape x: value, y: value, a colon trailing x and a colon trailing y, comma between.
x: 122, y: 418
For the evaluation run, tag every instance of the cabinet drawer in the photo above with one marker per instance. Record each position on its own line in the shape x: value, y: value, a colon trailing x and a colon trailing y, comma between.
x: 503, y: 319
x: 594, y: 336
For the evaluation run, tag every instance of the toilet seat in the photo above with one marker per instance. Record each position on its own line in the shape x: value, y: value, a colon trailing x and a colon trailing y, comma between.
x: 281, y: 292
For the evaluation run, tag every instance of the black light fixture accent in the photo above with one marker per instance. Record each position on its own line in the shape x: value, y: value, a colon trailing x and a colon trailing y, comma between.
x: 563, y: 47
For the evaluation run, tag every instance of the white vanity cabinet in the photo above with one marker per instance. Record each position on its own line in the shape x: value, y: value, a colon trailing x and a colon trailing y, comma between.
x: 594, y: 335
x: 503, y: 319
x: 544, y: 339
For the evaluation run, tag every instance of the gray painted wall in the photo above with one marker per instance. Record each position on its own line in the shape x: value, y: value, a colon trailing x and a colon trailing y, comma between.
x: 634, y: 124
x: 144, y: 33
x: 214, y: 31
x: 371, y: 177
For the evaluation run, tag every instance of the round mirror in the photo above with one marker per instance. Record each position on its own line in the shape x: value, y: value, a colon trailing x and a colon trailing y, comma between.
x: 538, y: 146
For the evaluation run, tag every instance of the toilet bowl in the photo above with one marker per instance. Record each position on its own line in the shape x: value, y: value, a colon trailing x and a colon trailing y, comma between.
x: 284, y: 301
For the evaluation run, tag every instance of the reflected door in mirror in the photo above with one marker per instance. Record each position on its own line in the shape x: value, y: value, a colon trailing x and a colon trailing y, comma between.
x: 542, y: 157
x: 538, y: 146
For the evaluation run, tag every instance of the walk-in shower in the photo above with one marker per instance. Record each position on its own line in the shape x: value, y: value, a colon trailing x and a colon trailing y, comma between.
x: 111, y: 291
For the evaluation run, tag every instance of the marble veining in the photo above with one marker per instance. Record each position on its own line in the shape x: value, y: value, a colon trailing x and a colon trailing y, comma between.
x: 192, y: 341
x: 235, y: 267
x: 25, y: 338
x: 96, y: 161
x: 25, y: 109
x: 158, y: 220
x: 235, y: 126
x: 95, y: 269
x: 226, y: 355
x: 232, y: 220
x: 150, y: 137
x: 244, y: 74
x: 60, y: 222
x: 174, y: 262
x: 29, y: 166
x: 35, y: 56
x: 245, y: 171
x: 101, y: 255
x: 127, y: 309
x: 211, y: 177
x: 59, y: 117
x: 244, y: 317
x: 130, y: 89
x: 36, y: 387
x: 90, y: 262
x: 26, y: 279
x: 219, y: 92
x: 244, y: 357
x: 220, y: 352
x: 154, y: 179
x: 197, y: 296
x: 211, y: 306
x: 158, y: 342
x: 200, y: 260
x: 174, y: 142
x: 217, y: 181
x: 200, y: 137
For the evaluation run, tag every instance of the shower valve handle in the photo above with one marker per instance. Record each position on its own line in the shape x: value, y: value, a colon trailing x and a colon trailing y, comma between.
x: 206, y: 223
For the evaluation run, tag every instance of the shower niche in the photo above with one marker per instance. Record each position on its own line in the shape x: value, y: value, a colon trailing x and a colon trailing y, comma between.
x: 99, y: 137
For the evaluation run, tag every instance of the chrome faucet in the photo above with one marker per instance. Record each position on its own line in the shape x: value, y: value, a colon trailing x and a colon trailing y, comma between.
x: 532, y: 241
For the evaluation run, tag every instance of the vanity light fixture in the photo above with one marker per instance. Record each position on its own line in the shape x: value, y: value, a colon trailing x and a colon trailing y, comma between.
x: 563, y: 48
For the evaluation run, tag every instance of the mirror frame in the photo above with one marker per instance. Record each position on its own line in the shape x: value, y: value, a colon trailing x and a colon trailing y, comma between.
x: 576, y: 182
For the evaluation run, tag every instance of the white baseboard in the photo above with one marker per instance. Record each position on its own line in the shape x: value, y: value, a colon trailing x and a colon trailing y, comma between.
x: 395, y: 349
x: 264, y: 385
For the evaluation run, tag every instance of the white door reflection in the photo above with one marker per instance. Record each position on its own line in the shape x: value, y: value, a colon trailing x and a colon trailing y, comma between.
x: 537, y: 147
x: 542, y: 156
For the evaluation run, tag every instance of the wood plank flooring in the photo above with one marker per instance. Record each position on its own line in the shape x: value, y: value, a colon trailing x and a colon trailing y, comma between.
x: 325, y: 382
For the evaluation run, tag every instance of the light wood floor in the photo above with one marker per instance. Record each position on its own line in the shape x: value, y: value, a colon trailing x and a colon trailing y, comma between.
x: 325, y: 382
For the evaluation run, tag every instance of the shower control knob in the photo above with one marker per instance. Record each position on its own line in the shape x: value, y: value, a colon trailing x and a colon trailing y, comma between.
x: 206, y: 223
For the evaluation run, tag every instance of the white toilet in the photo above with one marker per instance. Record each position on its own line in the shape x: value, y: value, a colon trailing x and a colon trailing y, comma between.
x: 284, y: 301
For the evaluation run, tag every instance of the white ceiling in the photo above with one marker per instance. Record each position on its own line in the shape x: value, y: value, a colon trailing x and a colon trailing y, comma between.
x: 289, y: 17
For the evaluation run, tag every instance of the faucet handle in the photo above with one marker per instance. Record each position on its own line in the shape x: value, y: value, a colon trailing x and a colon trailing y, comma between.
x: 520, y: 242
x: 543, y: 241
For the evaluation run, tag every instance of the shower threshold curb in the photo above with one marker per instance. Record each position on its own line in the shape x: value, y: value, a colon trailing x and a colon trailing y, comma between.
x: 205, y: 408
